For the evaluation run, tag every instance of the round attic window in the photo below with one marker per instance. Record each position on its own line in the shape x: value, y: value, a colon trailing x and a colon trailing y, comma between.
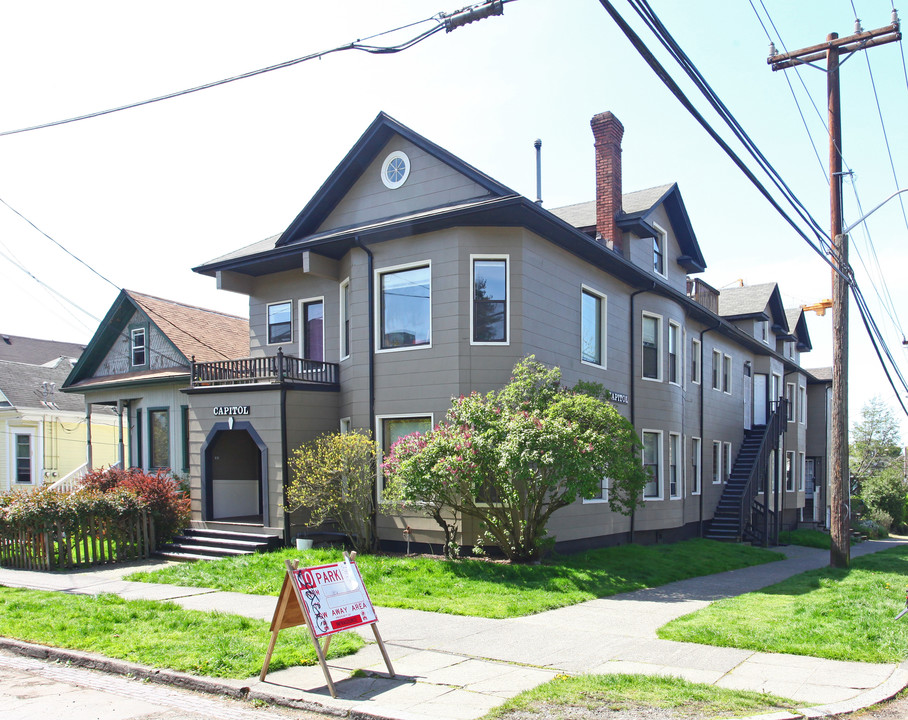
x: 395, y: 170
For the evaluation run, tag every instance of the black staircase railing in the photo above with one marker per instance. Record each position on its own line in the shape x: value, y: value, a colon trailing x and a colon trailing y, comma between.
x: 758, y: 522
x: 266, y: 369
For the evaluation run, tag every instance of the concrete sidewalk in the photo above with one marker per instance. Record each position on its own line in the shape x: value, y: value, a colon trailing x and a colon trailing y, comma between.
x: 461, y: 667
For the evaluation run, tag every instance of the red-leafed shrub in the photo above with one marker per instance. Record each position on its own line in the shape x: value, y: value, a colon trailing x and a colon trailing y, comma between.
x: 167, y: 503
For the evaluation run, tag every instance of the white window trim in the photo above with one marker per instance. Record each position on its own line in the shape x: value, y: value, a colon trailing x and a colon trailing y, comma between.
x: 660, y: 349
x: 380, y: 441
x: 764, y: 331
x: 342, y: 313
x: 377, y: 273
x: 660, y: 480
x: 802, y: 404
x: 802, y: 470
x: 132, y: 346
x: 603, y: 326
x: 727, y: 461
x: 716, y: 370
x: 37, y: 452
x: 679, y: 481
x: 302, y: 326
x: 697, y: 354
x: 663, y: 245
x: 507, y: 297
x: 679, y: 352
x: 604, y: 485
x: 727, y: 374
x: 268, y: 321
x: 791, y: 459
x: 696, y: 442
x: 718, y: 460
x: 792, y: 407
x: 345, y: 425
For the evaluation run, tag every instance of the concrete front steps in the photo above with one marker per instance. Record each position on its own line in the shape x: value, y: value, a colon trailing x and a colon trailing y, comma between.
x: 203, y: 544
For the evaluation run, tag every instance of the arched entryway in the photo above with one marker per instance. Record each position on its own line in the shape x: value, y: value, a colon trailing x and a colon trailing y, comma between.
x: 234, y: 486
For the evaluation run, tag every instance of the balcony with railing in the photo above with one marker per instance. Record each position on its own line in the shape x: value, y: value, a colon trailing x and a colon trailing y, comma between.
x: 270, y: 369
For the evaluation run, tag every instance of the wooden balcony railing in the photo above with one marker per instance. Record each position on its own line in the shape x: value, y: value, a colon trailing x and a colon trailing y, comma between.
x: 267, y: 369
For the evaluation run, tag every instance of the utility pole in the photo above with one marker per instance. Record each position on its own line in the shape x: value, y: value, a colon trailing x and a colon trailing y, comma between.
x: 839, y: 484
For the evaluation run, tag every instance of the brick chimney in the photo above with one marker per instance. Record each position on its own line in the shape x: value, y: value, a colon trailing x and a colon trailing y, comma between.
x: 607, y: 132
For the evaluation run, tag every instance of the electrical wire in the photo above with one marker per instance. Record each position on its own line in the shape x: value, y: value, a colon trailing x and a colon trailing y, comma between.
x: 673, y: 87
x: 444, y: 21
x: 110, y: 282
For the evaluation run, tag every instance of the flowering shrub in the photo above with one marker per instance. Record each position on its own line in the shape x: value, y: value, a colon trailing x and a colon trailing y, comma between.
x: 168, y: 504
x: 332, y: 478
x: 43, y: 508
x: 513, y: 457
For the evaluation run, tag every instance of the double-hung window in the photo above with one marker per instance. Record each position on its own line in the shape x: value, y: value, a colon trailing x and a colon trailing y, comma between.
x: 696, y: 453
x: 652, y: 462
x: 717, y: 462
x: 802, y: 404
x: 22, y: 458
x: 727, y: 464
x: 659, y: 252
x: 717, y: 365
x: 280, y: 323
x: 695, y: 361
x: 790, y: 396
x: 592, y: 327
x: 405, y: 307
x: 345, y: 319
x: 674, y: 352
x: 393, y: 428
x: 138, y: 348
x: 789, y: 471
x: 490, y: 300
x: 674, y: 465
x: 802, y: 471
x: 601, y: 495
x: 726, y: 374
x: 652, y: 347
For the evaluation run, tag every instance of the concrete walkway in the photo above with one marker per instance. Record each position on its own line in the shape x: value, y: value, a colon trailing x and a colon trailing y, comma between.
x: 459, y: 668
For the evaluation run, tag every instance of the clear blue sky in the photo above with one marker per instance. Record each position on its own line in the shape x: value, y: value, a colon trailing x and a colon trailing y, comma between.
x: 144, y: 195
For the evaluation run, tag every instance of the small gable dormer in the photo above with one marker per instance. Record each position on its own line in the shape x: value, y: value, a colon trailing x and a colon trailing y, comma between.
x: 756, y: 309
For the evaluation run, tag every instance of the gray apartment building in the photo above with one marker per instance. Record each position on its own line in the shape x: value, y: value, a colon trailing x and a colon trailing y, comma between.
x: 412, y: 277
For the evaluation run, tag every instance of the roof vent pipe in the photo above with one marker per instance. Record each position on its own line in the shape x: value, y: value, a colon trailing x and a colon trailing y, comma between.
x: 538, y: 146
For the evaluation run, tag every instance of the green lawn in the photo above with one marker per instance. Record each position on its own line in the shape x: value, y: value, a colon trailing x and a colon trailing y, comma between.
x: 478, y: 587
x: 807, y: 538
x: 157, y: 634
x: 620, y: 693
x: 829, y: 613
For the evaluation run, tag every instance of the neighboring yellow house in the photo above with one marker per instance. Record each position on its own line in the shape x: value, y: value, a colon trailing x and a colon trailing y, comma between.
x: 42, y: 430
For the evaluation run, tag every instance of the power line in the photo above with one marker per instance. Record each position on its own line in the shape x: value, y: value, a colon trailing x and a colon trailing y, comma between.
x: 444, y: 21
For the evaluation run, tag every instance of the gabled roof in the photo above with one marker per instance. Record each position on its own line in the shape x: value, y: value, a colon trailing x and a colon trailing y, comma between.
x: 23, y: 385
x: 36, y: 352
x: 360, y: 156
x: 636, y: 213
x: 192, y: 331
x: 820, y: 375
x: 797, y: 324
x: 760, y: 302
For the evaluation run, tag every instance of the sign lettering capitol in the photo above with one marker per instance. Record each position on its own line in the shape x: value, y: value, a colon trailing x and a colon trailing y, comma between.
x: 231, y: 410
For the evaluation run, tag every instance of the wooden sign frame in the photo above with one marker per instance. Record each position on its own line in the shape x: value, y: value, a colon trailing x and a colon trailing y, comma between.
x: 291, y: 611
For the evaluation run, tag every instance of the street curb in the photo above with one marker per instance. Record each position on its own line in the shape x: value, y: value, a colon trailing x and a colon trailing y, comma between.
x: 162, y: 676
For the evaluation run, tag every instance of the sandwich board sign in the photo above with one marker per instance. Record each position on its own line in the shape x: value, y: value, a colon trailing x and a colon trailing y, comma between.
x: 327, y: 599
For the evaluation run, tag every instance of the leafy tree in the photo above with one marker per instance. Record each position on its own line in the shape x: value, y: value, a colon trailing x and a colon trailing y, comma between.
x: 333, y: 477
x: 513, y: 457
x: 884, y: 494
x: 875, y: 442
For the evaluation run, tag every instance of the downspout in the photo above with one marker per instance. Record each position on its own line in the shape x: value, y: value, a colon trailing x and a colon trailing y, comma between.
x: 284, y: 463
x: 702, y: 396
x: 631, y: 386
x: 370, y: 284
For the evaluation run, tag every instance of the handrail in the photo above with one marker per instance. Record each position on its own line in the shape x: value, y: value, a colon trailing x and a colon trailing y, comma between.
x: 769, y: 443
x: 263, y: 369
x: 70, y: 482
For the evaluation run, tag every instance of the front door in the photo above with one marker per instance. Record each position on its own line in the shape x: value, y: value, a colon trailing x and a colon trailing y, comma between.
x: 759, y: 398
x: 235, y: 470
x: 748, y: 397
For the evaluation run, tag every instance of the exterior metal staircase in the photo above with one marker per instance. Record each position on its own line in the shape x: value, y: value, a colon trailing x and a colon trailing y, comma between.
x: 739, y: 515
x: 200, y: 544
